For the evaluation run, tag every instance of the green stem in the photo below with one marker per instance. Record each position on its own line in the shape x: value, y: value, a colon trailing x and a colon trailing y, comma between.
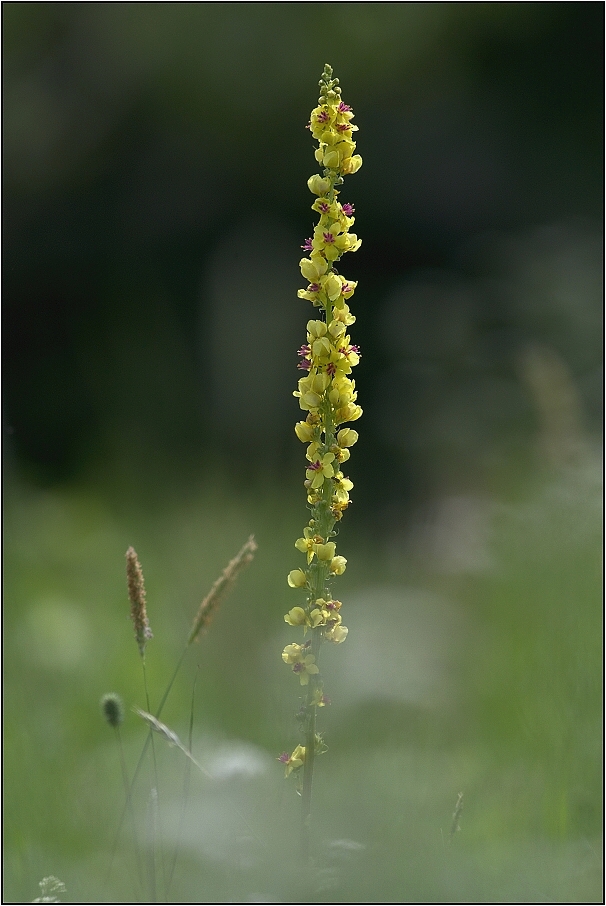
x: 310, y: 752
x: 324, y: 522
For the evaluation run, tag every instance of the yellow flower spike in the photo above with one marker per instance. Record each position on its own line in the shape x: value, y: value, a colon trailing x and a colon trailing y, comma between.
x: 329, y: 397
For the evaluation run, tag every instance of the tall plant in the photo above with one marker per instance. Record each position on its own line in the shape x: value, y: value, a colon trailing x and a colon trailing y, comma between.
x: 327, y: 395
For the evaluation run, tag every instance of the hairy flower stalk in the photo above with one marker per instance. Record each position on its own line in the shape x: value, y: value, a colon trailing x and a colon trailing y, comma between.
x: 136, y: 596
x: 327, y: 395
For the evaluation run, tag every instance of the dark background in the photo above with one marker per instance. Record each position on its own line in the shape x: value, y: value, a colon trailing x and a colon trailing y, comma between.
x: 155, y: 202
x: 154, y: 186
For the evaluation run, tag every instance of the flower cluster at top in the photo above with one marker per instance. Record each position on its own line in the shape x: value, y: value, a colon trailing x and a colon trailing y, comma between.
x: 326, y: 394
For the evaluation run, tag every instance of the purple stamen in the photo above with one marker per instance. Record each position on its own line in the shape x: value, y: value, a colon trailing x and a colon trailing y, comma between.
x: 284, y: 758
x: 315, y: 466
x: 328, y: 238
x: 324, y: 207
x: 331, y: 369
x: 298, y: 667
x: 348, y: 209
x: 305, y: 365
x: 343, y: 108
x: 307, y: 246
x: 322, y: 116
x: 313, y: 288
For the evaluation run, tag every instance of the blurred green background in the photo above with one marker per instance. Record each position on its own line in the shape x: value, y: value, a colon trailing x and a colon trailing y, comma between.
x: 155, y: 167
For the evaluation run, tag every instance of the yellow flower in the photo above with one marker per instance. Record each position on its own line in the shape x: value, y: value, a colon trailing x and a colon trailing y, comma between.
x: 332, y: 286
x: 297, y: 578
x: 303, y: 665
x: 348, y: 413
x: 308, y: 543
x: 305, y: 668
x: 338, y: 565
x: 352, y: 165
x: 332, y: 241
x: 315, y: 329
x: 325, y: 551
x: 347, y: 437
x: 318, y: 185
x: 320, y: 469
x: 342, y: 483
x: 318, y: 617
x: 304, y: 432
x: 296, y: 617
x: 292, y: 653
x: 313, y: 268
x: 293, y: 762
x: 337, y: 634
x: 319, y: 699
x: 342, y: 313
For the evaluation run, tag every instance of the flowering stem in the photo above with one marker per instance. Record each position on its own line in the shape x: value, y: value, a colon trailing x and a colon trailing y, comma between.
x: 328, y: 397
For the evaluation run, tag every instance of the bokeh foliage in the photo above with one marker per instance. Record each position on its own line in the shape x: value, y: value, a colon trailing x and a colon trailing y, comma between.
x: 155, y: 200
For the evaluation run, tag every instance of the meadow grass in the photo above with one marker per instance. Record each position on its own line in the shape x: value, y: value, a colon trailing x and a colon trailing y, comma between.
x: 512, y: 719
